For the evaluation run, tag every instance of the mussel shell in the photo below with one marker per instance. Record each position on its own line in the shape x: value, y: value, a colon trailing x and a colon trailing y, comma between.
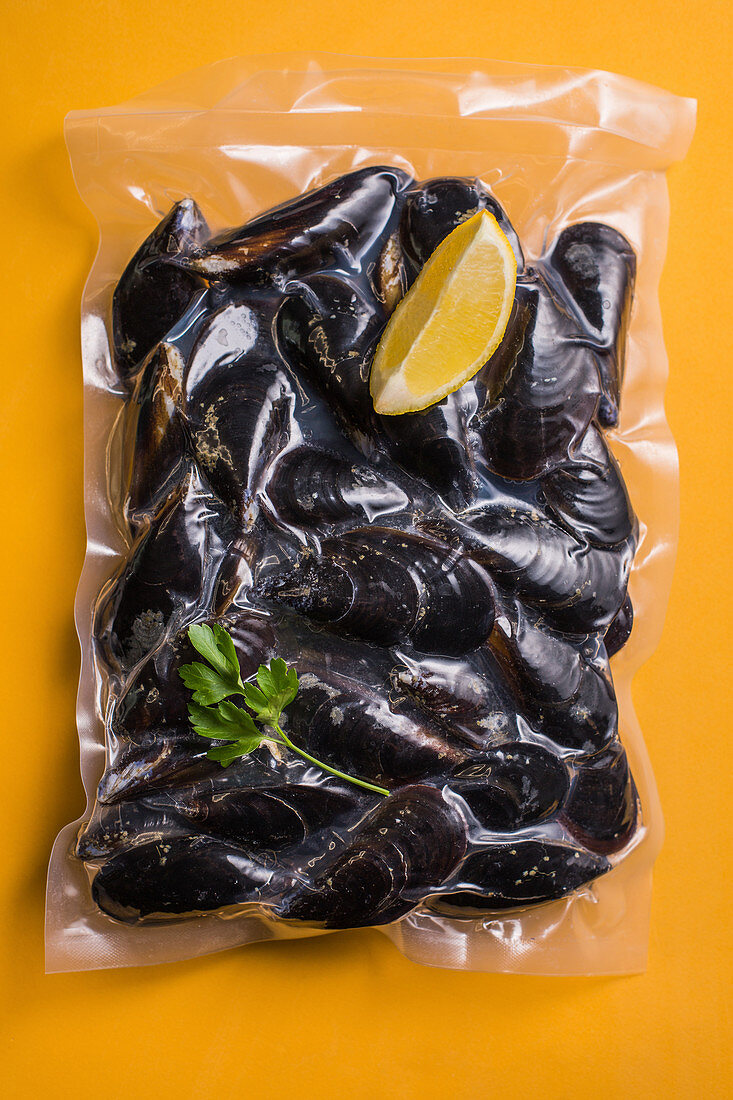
x: 152, y: 295
x: 313, y: 488
x: 469, y: 696
x: 591, y: 719
x: 269, y: 818
x: 457, y: 610
x: 602, y: 808
x: 436, y: 207
x: 123, y: 825
x: 434, y: 445
x: 545, y: 664
x: 155, y: 759
x: 157, y: 428
x: 563, y: 685
x: 328, y: 328
x: 239, y: 403
x: 352, y: 726
x: 155, y: 697
x: 341, y: 225
x: 523, y: 872
x: 170, y: 572
x: 182, y: 876
x: 578, y: 587
x: 512, y: 787
x: 588, y: 495
x: 238, y: 428
x: 237, y: 330
x: 596, y: 266
x: 620, y: 629
x: 539, y: 410
x: 410, y: 843
x: 390, y: 275
x: 384, y: 584
x: 375, y: 601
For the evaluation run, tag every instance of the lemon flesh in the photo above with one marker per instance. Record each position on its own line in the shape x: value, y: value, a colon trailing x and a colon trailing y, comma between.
x: 450, y: 322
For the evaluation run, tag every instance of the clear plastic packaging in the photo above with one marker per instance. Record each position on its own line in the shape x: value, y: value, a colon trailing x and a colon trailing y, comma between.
x: 465, y: 568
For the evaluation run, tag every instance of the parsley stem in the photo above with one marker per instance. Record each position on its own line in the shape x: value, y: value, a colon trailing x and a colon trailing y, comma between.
x: 325, y: 767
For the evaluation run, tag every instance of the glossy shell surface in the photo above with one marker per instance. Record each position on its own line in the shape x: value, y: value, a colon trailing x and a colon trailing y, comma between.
x: 449, y: 585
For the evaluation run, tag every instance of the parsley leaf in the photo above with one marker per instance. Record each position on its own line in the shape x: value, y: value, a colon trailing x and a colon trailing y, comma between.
x: 225, y: 646
x: 227, y: 754
x: 212, y: 715
x: 226, y: 722
x: 206, y: 684
x: 223, y: 678
x: 278, y: 686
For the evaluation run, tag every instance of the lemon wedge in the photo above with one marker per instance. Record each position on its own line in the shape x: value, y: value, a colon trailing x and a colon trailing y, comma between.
x: 450, y: 322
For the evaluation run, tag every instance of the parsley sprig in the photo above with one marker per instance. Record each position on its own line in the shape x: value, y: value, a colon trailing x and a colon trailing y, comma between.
x: 214, y: 716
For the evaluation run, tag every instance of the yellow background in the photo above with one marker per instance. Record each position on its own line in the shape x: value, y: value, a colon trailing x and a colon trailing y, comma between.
x: 346, y: 1015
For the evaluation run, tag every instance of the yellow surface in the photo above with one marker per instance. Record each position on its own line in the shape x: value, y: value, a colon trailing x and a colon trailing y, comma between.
x: 347, y: 1016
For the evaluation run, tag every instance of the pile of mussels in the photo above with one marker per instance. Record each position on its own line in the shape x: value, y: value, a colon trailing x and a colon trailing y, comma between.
x: 449, y: 584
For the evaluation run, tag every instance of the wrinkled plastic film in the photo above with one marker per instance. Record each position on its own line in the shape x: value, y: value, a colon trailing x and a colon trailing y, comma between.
x: 554, y: 148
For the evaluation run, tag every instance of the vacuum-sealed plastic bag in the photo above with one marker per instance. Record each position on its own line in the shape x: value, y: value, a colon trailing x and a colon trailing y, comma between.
x: 382, y: 512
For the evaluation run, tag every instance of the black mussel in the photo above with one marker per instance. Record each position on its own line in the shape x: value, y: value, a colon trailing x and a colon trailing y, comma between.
x: 384, y: 585
x: 545, y: 663
x: 523, y: 872
x: 448, y: 584
x: 512, y: 786
x: 313, y: 488
x: 328, y: 328
x: 239, y: 404
x: 596, y: 266
x: 601, y: 810
x: 352, y: 726
x: 578, y: 587
x: 152, y: 295
x: 537, y: 411
x: 490, y: 380
x: 124, y: 825
x: 469, y: 695
x: 155, y: 697
x: 157, y: 433
x: 564, y: 685
x: 374, y: 599
x: 171, y: 570
x: 436, y: 207
x: 152, y: 696
x: 591, y: 718
x: 341, y: 225
x: 239, y: 425
x: 270, y: 818
x: 235, y: 332
x: 620, y: 629
x: 588, y: 495
x: 310, y: 649
x: 434, y: 445
x: 408, y: 845
x: 456, y: 606
x: 153, y: 759
x: 177, y: 877
x: 166, y: 757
